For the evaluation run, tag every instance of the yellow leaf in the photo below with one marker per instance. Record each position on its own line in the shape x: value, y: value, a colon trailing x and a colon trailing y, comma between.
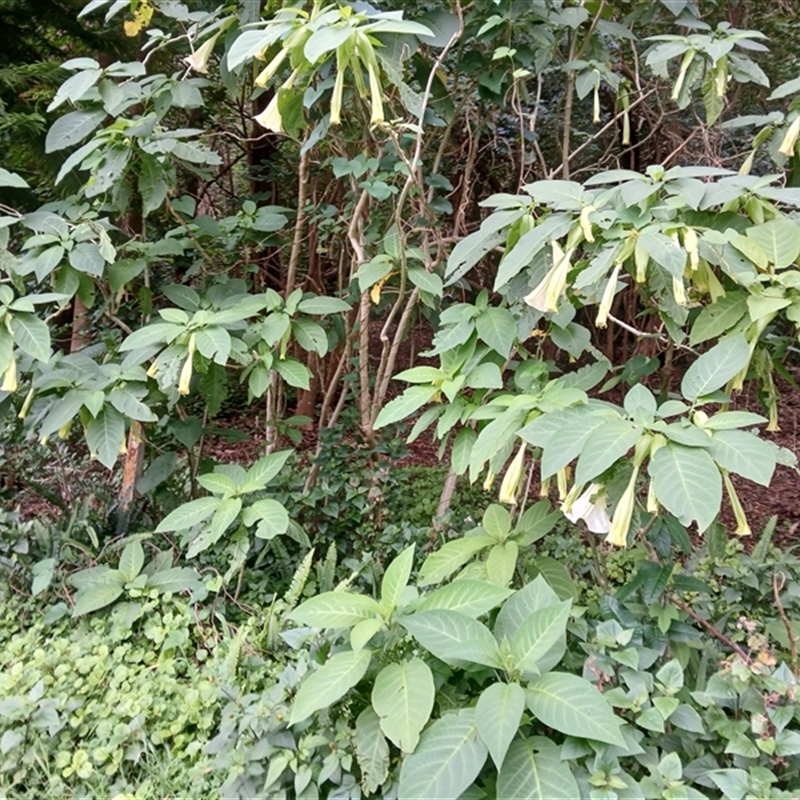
x: 141, y: 18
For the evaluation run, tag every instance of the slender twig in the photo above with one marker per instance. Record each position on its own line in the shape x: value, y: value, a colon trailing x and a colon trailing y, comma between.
x: 776, y: 591
x: 711, y: 629
x: 299, y: 222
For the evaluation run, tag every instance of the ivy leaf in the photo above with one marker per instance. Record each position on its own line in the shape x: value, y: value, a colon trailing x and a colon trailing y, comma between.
x: 330, y: 683
x: 687, y: 483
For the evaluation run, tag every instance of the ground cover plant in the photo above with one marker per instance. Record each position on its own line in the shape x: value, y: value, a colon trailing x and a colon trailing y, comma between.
x: 392, y: 396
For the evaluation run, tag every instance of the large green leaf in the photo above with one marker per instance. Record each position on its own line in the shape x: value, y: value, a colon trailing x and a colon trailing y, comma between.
x: 571, y: 705
x: 449, y: 757
x: 501, y: 562
x: 224, y: 515
x: 323, y: 305
x: 453, y: 637
x: 536, y: 636
x: 335, y: 610
x: 293, y: 372
x: 330, y: 683
x: 498, y: 713
x: 469, y: 597
x: 687, y: 483
x: 96, y: 596
x: 471, y: 249
x: 497, y: 328
x: 604, y: 446
x: 715, y: 368
x: 130, y: 406
x: 272, y: 517
x: 745, y: 454
x: 779, y: 239
x: 528, y: 600
x: 132, y: 560
x: 719, y: 317
x: 71, y: 129
x: 395, y: 579
x: 264, y: 470
x: 450, y: 557
x: 188, y: 515
x: 405, y: 405
x: 528, y: 245
x: 32, y: 335
x: 533, y: 769
x: 105, y: 435
x: 372, y: 751
x: 556, y: 575
x: 403, y: 697
x: 217, y: 483
x: 562, y: 435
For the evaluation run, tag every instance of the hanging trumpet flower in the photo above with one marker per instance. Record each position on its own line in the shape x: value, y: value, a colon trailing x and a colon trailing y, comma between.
x: 309, y: 41
x: 198, y: 60
x: 513, y: 478
x: 184, y: 384
x: 742, y: 526
x: 790, y: 139
x: 608, y: 298
x: 10, y: 377
x: 546, y: 295
x: 590, y: 507
x: 623, y: 513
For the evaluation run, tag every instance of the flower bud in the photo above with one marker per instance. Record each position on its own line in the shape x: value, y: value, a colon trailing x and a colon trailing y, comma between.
x: 10, y: 377
x: 623, y: 514
x: 608, y: 298
x: 513, y: 478
x: 790, y: 139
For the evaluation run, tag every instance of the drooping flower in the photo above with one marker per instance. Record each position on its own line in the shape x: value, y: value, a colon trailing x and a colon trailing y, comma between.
x: 790, y: 139
x: 742, y: 526
x: 623, y: 514
x: 590, y: 507
x: 198, y: 60
x: 546, y: 295
x: 10, y: 377
x: 608, y: 298
x: 184, y: 383
x: 513, y: 478
x: 266, y: 74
